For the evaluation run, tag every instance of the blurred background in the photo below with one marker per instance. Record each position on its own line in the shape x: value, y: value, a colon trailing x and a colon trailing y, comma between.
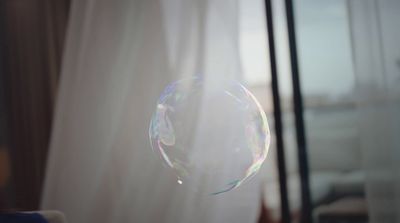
x: 79, y: 81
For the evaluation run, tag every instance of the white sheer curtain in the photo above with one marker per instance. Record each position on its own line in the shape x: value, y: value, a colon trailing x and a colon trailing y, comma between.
x: 119, y: 57
x: 375, y: 30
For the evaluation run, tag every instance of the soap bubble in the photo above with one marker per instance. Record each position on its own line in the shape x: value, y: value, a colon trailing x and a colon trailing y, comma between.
x: 213, y: 135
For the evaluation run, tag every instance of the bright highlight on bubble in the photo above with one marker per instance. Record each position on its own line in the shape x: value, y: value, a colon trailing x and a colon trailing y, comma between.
x: 213, y: 135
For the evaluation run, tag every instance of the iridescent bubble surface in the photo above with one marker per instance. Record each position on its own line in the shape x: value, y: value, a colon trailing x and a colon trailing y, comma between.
x: 213, y: 135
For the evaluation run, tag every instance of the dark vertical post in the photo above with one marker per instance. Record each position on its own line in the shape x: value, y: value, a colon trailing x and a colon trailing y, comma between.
x: 277, y: 115
x: 298, y: 110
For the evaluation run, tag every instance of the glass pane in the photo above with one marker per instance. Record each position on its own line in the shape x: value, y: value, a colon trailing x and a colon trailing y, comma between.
x: 349, y: 70
x: 327, y: 78
x: 328, y: 88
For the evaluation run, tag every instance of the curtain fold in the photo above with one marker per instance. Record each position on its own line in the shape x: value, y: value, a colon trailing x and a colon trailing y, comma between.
x: 119, y: 56
x: 32, y: 36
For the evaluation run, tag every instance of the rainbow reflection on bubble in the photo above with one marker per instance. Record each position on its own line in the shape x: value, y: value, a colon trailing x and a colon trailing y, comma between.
x: 213, y: 135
